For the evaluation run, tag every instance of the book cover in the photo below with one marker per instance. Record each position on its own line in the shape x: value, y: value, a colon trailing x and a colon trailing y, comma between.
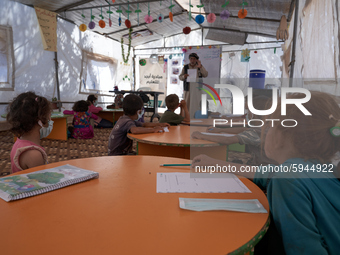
x: 31, y: 184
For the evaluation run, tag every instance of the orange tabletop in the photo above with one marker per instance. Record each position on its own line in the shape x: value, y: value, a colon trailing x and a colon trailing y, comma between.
x: 219, y: 123
x: 110, y: 114
x: 177, y: 143
x: 121, y: 213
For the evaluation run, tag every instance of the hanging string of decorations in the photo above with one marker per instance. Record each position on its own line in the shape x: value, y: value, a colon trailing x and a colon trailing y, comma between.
x: 126, y: 59
x: 211, y: 17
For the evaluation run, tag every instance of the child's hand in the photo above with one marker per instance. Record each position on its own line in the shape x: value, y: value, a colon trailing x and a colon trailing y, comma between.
x: 183, y: 103
x: 186, y: 75
x: 202, y: 160
x: 197, y: 135
x: 164, y: 125
x: 158, y: 129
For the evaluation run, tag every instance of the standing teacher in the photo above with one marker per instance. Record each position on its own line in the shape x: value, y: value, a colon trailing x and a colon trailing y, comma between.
x: 195, y: 63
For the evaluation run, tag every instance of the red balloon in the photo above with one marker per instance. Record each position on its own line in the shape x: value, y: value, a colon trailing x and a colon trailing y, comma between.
x: 127, y: 23
x: 186, y: 30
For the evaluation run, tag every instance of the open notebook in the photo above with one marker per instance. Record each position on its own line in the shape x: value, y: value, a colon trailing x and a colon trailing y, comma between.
x: 35, y: 183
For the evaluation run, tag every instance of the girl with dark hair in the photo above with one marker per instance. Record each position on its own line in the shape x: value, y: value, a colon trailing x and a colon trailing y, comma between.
x: 98, y: 123
x: 81, y: 120
x: 30, y: 119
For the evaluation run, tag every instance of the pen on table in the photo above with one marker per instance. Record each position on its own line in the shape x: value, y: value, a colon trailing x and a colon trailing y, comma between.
x: 175, y: 165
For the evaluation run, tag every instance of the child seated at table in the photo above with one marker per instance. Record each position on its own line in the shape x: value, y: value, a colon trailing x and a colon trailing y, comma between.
x: 81, y: 120
x: 248, y: 136
x: 30, y: 119
x: 93, y: 108
x: 303, y: 192
x: 119, y: 143
x: 169, y: 116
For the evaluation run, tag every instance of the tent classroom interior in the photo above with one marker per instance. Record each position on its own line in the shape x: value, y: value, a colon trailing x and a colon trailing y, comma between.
x: 67, y: 50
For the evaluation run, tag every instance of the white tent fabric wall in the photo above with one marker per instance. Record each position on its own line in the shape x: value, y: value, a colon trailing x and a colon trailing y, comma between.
x: 317, y: 48
x: 35, y: 67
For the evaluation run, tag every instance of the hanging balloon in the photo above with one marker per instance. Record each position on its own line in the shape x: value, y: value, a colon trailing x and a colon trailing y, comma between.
x: 82, y: 27
x: 142, y: 62
x: 186, y: 30
x: 102, y: 23
x: 160, y: 18
x: 127, y: 23
x: 171, y: 16
x: 148, y: 19
x: 110, y: 22
x: 225, y: 14
x: 199, y: 19
x: 242, y: 13
x: 92, y: 25
x: 211, y: 18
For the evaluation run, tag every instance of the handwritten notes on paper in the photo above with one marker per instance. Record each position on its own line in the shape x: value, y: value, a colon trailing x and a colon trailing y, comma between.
x: 48, y: 28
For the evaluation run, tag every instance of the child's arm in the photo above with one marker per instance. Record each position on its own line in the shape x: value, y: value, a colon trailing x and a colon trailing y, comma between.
x: 215, y: 138
x: 68, y: 112
x: 145, y: 130
x: 184, y: 111
x: 93, y: 116
x: 96, y: 109
x: 150, y: 124
x: 31, y: 158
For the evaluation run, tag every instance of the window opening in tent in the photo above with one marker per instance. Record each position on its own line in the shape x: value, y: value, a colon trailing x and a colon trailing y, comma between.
x: 6, y: 59
x: 98, y: 73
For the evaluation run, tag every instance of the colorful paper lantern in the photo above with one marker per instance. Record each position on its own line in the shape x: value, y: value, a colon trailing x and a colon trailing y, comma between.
x: 148, y: 19
x: 101, y: 23
x: 225, y: 14
x: 92, y: 25
x: 199, y: 19
x: 242, y: 13
x: 82, y: 27
x: 127, y: 23
x: 171, y: 16
x: 160, y: 18
x: 211, y: 18
x: 186, y: 30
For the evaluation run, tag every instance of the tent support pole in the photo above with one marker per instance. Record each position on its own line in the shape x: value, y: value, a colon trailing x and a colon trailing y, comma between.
x: 57, y: 78
x: 292, y: 62
x: 134, y: 69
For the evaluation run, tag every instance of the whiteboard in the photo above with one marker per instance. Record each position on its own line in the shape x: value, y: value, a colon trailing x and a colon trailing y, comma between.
x: 210, y: 59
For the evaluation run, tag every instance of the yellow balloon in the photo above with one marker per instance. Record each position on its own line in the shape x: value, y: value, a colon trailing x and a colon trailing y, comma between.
x: 82, y: 27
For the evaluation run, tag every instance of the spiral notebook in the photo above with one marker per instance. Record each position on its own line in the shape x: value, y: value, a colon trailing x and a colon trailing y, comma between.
x: 35, y: 183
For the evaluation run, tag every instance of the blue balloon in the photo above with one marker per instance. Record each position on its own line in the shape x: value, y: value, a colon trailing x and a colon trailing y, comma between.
x: 199, y: 19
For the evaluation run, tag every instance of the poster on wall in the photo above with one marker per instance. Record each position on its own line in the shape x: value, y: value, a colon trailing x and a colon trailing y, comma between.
x: 153, y: 76
x: 48, y: 28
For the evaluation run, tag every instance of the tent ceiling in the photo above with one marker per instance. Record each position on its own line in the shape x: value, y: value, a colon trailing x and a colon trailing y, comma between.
x: 262, y: 19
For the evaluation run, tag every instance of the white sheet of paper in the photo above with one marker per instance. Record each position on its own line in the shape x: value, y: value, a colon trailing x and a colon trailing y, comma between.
x: 218, y: 134
x: 166, y: 129
x: 192, y: 75
x: 182, y: 183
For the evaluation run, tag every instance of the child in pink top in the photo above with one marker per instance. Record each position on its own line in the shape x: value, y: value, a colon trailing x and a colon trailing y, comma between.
x: 93, y: 108
x: 81, y: 120
x: 29, y: 116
